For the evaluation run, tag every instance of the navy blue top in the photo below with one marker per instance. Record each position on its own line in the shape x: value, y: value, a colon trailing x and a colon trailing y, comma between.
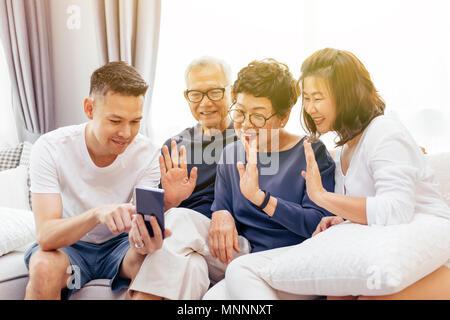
x: 296, y: 216
x: 204, y: 153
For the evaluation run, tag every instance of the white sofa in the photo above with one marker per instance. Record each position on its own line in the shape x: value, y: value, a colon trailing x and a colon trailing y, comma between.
x: 14, y: 190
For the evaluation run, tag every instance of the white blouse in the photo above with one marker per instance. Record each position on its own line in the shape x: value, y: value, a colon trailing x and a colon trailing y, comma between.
x: 390, y: 170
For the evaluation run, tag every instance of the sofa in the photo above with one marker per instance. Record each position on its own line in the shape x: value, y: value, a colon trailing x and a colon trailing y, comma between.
x: 17, y: 223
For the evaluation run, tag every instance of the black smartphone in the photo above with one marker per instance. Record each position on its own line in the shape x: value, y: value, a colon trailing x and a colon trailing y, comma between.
x: 150, y: 202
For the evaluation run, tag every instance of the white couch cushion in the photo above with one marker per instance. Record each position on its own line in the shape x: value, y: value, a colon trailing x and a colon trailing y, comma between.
x: 16, y: 229
x: 14, y: 189
x: 13, y: 276
x: 354, y: 259
x: 441, y: 164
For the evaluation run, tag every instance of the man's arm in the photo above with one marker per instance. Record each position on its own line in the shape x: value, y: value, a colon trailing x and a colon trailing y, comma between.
x: 54, y: 232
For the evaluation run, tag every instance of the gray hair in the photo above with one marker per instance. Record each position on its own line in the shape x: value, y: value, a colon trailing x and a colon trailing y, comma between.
x: 208, y: 61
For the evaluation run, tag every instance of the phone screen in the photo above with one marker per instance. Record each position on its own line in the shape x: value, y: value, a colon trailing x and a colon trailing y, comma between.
x: 150, y: 202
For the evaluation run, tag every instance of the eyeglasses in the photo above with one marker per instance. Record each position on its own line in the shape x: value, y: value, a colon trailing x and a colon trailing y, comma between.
x: 214, y: 94
x: 256, y: 119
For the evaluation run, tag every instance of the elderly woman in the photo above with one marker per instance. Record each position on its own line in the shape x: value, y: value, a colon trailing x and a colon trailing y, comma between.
x: 381, y: 176
x: 259, y: 193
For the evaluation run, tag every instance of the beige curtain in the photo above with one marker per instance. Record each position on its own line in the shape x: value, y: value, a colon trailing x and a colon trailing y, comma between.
x: 128, y: 30
x: 25, y: 33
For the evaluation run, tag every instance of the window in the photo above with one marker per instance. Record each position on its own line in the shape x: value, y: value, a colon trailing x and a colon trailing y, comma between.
x: 8, y: 131
x: 236, y: 31
x: 402, y: 43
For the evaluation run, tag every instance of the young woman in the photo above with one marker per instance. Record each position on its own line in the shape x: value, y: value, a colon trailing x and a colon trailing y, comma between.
x: 381, y: 175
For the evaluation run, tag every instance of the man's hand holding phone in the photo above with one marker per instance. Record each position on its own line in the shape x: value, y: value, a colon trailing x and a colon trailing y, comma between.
x: 139, y: 236
x: 148, y: 232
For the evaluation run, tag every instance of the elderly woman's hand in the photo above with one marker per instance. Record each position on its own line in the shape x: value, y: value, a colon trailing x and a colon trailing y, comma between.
x: 223, y: 236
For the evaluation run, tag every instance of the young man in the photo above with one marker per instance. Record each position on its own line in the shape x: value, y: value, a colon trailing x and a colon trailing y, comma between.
x: 209, y: 97
x: 82, y: 183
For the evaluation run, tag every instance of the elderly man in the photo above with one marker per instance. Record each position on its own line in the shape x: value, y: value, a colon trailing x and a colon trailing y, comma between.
x: 172, y: 273
x: 208, y: 95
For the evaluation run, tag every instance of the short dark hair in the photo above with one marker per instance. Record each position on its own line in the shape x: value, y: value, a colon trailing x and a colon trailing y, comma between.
x: 271, y: 79
x: 118, y: 77
x: 356, y: 99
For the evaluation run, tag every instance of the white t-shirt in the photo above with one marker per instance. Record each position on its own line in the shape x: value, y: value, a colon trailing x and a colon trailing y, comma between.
x: 60, y: 164
x: 390, y: 170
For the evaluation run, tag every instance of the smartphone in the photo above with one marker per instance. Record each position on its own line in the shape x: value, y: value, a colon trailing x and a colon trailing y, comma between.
x: 150, y: 202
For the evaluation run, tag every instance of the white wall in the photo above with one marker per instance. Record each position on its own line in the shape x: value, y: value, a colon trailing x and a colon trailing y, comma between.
x: 75, y: 57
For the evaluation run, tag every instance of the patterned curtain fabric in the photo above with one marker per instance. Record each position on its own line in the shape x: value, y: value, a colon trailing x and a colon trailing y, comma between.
x: 128, y: 30
x: 24, y: 32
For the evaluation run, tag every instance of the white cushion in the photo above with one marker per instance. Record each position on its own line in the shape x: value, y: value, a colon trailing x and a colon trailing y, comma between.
x: 16, y: 229
x: 440, y: 163
x: 354, y: 259
x: 14, y: 189
x: 13, y: 276
x: 26, y: 154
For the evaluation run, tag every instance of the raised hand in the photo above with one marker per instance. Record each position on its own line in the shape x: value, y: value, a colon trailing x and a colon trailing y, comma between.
x: 314, y: 186
x: 249, y: 176
x: 174, y: 176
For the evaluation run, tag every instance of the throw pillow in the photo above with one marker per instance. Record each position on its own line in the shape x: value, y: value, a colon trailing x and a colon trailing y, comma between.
x: 440, y: 163
x: 14, y: 189
x: 354, y: 259
x: 26, y: 153
x: 17, y: 229
x: 10, y: 157
x: 25, y: 161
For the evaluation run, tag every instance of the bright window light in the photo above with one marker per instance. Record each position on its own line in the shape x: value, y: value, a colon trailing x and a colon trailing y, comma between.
x: 402, y: 43
x: 233, y: 30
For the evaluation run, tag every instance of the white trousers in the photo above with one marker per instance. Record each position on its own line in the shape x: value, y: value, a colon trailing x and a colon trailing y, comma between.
x: 183, y: 267
x: 242, y: 280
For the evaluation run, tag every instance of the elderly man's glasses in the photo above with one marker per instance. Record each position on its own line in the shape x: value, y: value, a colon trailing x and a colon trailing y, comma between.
x: 214, y: 94
x: 256, y: 119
